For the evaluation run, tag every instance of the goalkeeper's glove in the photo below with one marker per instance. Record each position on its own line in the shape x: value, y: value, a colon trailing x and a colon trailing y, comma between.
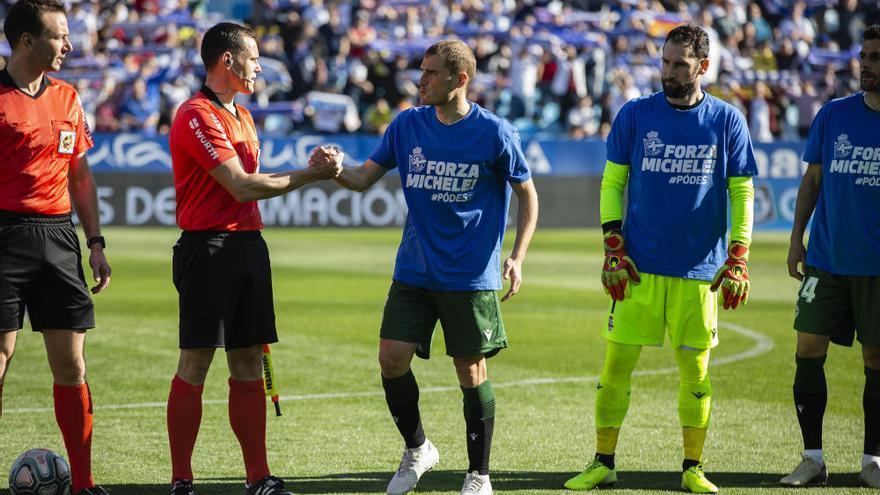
x: 618, y: 268
x: 733, y: 276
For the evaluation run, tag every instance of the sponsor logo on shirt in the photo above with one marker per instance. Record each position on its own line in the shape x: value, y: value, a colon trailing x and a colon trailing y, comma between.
x: 220, y: 129
x: 454, y: 182
x: 685, y: 163
x: 195, y: 126
x: 66, y: 141
x: 863, y: 161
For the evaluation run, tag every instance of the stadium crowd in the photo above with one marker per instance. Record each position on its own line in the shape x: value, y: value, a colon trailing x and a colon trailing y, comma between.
x: 552, y: 67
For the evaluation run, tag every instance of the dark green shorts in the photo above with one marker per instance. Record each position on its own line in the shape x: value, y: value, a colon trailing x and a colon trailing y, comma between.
x: 471, y: 320
x: 839, y: 306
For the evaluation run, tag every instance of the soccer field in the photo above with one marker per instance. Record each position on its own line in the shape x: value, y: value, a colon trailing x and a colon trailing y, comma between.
x: 336, y: 435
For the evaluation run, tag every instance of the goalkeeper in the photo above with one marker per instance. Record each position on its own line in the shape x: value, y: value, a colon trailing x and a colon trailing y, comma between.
x: 682, y: 152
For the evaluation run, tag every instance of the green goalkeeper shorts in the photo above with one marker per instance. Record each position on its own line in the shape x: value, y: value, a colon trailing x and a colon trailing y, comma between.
x: 839, y: 306
x: 471, y: 320
x: 684, y: 307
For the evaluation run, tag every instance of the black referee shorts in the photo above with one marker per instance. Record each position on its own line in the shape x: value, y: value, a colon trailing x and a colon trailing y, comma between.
x: 41, y: 271
x: 224, y: 284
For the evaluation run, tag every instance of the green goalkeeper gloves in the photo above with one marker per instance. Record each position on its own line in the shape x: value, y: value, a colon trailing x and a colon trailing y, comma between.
x: 733, y: 276
x: 618, y: 268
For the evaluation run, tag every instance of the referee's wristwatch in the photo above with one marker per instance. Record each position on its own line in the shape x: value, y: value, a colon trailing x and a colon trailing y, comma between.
x: 98, y: 239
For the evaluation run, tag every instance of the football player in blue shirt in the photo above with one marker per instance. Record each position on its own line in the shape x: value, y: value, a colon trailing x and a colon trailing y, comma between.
x: 458, y: 164
x: 839, y: 298
x: 682, y: 151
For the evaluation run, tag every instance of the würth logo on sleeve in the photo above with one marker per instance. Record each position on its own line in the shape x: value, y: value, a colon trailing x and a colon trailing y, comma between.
x: 66, y: 141
x: 194, y: 123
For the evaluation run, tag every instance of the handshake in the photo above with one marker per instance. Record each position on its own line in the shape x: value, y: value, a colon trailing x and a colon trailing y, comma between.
x: 326, y: 162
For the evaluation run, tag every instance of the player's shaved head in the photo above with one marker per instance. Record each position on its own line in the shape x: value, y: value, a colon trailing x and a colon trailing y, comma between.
x: 872, y: 32
x: 693, y: 36
x: 458, y: 56
x: 224, y: 37
x: 26, y: 16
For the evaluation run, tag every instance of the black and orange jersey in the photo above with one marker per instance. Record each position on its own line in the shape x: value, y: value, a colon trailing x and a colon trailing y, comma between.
x: 39, y: 136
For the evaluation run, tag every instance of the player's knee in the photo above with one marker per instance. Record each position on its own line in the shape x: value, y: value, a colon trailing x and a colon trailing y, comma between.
x: 393, y: 364
x: 811, y: 346
x: 871, y: 355
x: 4, y: 364
x: 693, y: 366
x: 68, y: 370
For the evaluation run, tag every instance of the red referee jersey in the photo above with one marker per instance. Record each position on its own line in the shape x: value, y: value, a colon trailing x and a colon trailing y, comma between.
x: 39, y: 136
x: 205, y: 134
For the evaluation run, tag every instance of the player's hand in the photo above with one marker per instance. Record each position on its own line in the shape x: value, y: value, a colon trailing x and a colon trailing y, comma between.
x: 513, y: 272
x: 797, y: 254
x: 733, y: 276
x: 327, y: 161
x: 618, y: 269
x: 100, y: 269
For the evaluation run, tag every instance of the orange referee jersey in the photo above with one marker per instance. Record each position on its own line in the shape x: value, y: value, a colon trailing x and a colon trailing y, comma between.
x: 39, y: 136
x: 203, y: 135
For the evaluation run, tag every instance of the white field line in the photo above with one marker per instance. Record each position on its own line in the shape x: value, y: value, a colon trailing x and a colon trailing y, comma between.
x: 763, y: 344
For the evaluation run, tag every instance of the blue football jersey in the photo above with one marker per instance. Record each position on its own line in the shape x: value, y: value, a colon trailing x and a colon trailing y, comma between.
x: 680, y: 160
x: 456, y: 184
x: 845, y: 235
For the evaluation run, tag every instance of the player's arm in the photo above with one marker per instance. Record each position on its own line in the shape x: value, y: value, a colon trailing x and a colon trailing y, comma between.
x: 742, y: 207
x: 361, y: 178
x: 733, y: 276
x: 618, y: 268
x: 83, y: 194
x: 526, y: 221
x: 251, y: 187
x: 808, y: 193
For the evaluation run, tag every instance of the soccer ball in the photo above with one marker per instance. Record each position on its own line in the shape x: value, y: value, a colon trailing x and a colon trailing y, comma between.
x: 39, y: 472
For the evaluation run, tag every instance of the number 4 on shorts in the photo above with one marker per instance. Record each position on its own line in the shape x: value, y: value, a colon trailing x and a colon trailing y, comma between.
x: 808, y: 290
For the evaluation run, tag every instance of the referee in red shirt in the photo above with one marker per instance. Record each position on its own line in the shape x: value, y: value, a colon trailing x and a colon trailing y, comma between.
x: 44, y: 138
x: 221, y: 263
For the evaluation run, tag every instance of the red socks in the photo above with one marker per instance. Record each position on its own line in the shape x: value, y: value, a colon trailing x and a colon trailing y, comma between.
x: 247, y: 415
x: 73, y: 412
x: 184, y: 417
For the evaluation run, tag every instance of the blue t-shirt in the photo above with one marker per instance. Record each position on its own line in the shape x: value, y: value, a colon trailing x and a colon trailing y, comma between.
x: 680, y: 160
x: 455, y: 181
x: 845, y: 235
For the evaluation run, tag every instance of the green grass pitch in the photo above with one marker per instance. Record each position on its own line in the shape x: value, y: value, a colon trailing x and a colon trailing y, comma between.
x: 336, y: 436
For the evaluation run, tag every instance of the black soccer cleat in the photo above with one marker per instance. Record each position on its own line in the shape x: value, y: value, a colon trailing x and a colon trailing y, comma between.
x: 270, y: 485
x: 182, y: 487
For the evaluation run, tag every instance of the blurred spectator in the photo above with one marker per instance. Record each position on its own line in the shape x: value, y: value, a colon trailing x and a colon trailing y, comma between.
x: 140, y: 111
x: 378, y: 116
x: 759, y: 115
x: 583, y: 120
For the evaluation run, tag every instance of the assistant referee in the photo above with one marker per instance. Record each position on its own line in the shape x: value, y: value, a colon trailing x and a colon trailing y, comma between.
x: 44, y: 138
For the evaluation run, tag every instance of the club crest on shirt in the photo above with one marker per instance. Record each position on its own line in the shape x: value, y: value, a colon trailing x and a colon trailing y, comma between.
x: 653, y: 144
x: 417, y: 160
x: 842, y: 147
x: 66, y: 141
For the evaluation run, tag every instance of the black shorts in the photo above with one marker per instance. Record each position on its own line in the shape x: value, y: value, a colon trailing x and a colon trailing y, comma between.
x: 225, y: 288
x: 41, y: 271
x: 842, y: 307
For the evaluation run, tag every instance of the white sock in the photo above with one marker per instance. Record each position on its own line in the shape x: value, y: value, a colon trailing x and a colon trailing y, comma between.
x: 870, y: 459
x: 815, y: 454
